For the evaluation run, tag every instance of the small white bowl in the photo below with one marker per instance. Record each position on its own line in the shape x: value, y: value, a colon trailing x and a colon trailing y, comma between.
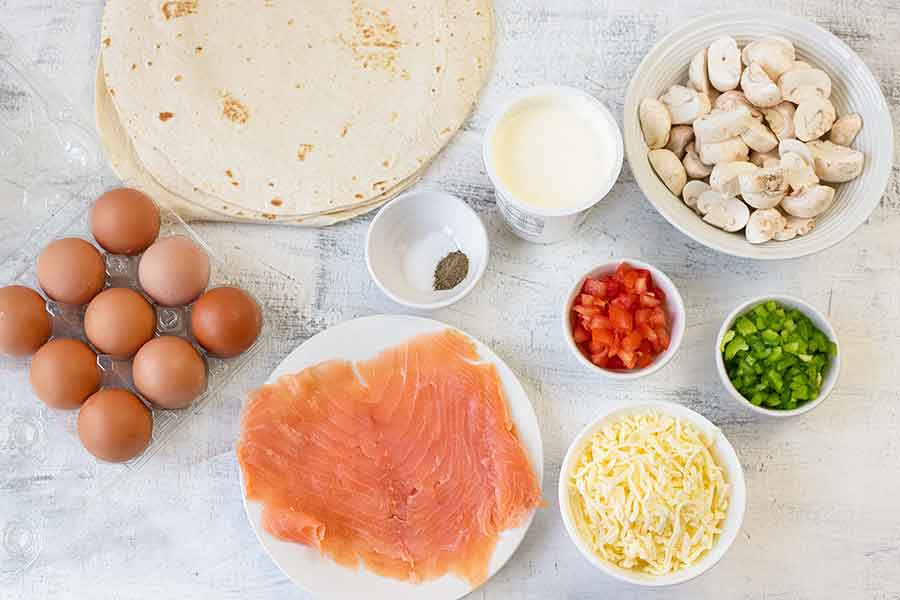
x: 817, y: 318
x: 725, y: 457
x: 411, y: 234
x: 674, y: 312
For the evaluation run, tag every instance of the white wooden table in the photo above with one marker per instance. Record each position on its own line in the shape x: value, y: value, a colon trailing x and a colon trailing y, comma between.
x: 823, y: 518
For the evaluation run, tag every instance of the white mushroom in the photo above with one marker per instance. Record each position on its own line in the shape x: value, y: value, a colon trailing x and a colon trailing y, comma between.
x: 774, y: 54
x: 679, y: 138
x: 734, y: 98
x: 730, y: 215
x: 810, y: 202
x: 798, y: 173
x: 656, y: 122
x: 763, y: 188
x: 759, y: 88
x: 781, y: 119
x: 725, y: 176
x: 708, y: 199
x: 685, y: 104
x: 698, y: 75
x: 795, y: 147
x: 844, y: 130
x: 760, y: 158
x: 691, y: 192
x: 694, y: 167
x: 719, y: 126
x: 793, y: 227
x: 713, y: 153
x: 763, y: 225
x: 669, y: 169
x: 834, y: 163
x: 759, y: 138
x: 724, y: 64
x: 799, y: 84
x: 813, y: 118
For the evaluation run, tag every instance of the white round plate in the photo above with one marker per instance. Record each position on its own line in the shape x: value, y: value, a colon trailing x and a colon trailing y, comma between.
x: 320, y: 576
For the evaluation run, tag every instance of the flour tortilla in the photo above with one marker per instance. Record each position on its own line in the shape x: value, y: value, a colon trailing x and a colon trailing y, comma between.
x: 293, y: 108
x: 128, y: 166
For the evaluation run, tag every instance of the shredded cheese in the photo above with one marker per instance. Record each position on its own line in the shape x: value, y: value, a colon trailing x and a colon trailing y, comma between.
x: 647, y: 495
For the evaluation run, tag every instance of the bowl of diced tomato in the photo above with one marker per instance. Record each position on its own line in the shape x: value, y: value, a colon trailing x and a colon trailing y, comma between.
x: 624, y: 319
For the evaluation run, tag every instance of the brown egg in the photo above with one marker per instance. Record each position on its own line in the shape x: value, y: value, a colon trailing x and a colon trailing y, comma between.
x: 226, y: 321
x: 169, y: 372
x: 71, y: 271
x: 119, y: 321
x: 64, y: 373
x: 24, y: 321
x: 174, y: 271
x: 114, y: 425
x: 124, y: 221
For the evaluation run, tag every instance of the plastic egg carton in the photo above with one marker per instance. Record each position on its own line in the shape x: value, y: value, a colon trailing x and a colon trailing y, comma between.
x: 51, y: 171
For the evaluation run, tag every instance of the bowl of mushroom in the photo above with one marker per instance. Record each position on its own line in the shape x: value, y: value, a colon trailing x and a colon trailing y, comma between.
x: 758, y: 134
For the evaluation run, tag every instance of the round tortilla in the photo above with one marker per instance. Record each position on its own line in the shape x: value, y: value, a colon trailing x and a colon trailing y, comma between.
x: 293, y: 108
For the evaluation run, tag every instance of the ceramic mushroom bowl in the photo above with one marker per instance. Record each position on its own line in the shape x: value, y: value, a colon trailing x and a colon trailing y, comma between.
x: 758, y: 134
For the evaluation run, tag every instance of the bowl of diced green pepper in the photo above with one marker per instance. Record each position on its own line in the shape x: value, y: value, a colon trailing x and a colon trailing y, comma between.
x: 778, y: 355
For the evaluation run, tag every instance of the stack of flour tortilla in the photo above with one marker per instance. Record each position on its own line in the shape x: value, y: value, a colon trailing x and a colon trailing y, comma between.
x: 299, y: 112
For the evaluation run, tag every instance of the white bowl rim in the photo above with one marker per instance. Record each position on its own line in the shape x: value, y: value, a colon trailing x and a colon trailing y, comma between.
x: 834, y: 370
x: 881, y: 180
x: 734, y: 471
x: 676, y: 337
x: 562, y: 90
x: 415, y: 196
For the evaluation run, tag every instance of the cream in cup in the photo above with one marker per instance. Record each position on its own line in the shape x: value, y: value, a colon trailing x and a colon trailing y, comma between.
x: 552, y: 153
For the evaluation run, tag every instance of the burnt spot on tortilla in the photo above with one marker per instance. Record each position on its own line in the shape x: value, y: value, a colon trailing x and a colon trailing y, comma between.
x: 379, y: 186
x: 198, y: 50
x: 179, y: 8
x: 277, y: 202
x: 375, y: 40
x: 290, y: 22
x: 133, y: 67
x: 404, y: 75
x: 304, y: 151
x: 107, y: 42
x: 394, y: 116
x: 438, y: 68
x: 179, y: 77
x: 269, y: 216
x: 112, y: 91
x: 233, y: 110
x: 345, y: 129
x: 229, y: 174
x: 271, y: 184
x: 385, y: 163
x: 236, y: 183
x: 165, y: 116
x: 445, y: 131
x: 358, y: 196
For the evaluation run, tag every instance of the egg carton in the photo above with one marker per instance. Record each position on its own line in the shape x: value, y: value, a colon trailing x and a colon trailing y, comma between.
x: 51, y: 171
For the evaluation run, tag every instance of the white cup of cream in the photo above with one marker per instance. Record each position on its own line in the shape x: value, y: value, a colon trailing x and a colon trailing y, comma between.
x: 552, y: 153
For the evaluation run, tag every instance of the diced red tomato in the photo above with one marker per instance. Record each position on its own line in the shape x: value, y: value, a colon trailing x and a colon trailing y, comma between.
x: 619, y: 320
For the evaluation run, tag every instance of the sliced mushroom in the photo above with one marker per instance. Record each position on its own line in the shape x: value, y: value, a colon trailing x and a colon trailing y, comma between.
x: 774, y: 54
x: 759, y: 88
x: 763, y: 188
x: 730, y: 215
x: 844, y: 130
x: 758, y: 137
x: 725, y: 176
x: 813, y: 118
x: 795, y: 147
x: 763, y: 225
x: 799, y: 64
x: 724, y: 64
x: 834, y: 163
x: 793, y: 227
x: 679, y: 138
x: 698, y: 75
x: 708, y: 199
x: 799, y: 84
x: 798, y: 173
x: 685, y: 104
x: 771, y: 162
x: 669, y: 169
x: 731, y: 100
x: 656, y: 122
x: 760, y: 158
x: 719, y: 126
x: 713, y: 153
x: 693, y: 165
x: 691, y: 192
x: 781, y: 119
x: 810, y: 202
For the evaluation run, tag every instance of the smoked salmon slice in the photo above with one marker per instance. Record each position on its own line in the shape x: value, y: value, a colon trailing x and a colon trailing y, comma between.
x: 407, y: 462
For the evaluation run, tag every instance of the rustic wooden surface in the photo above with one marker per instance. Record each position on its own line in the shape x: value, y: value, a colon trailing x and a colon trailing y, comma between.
x: 823, y: 519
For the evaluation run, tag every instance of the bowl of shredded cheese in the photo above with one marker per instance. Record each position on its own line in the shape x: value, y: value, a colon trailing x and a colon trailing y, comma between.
x: 652, y: 493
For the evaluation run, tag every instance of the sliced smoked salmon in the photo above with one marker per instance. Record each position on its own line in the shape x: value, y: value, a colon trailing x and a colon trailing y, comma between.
x: 408, y: 462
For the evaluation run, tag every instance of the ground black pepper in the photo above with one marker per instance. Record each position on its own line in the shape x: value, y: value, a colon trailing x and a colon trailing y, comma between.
x: 450, y: 271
